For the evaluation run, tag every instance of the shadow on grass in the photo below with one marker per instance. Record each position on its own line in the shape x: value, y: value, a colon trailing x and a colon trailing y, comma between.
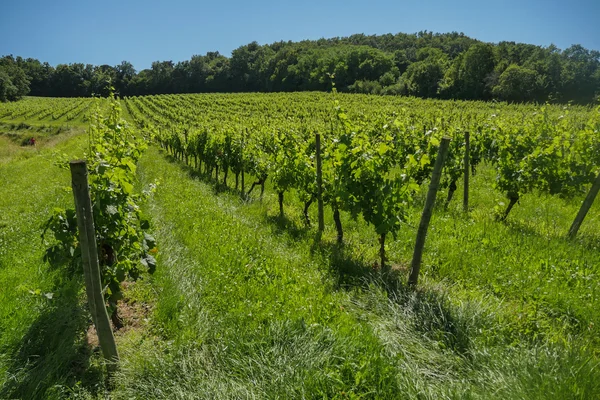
x: 519, y: 227
x: 282, y: 224
x: 432, y: 314
x: 197, y: 174
x: 588, y: 240
x: 53, y: 354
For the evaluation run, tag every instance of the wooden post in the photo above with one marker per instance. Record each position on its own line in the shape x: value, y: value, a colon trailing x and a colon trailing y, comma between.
x: 91, y: 267
x: 466, y: 173
x: 585, y: 207
x: 427, y: 211
x: 242, y: 161
x: 320, y: 184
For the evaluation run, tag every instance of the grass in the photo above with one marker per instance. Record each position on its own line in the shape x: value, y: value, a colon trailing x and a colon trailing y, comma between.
x: 246, y: 304
x: 14, y: 139
x: 41, y: 320
x: 248, y: 308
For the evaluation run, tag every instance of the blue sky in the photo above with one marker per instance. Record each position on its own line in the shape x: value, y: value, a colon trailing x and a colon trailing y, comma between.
x: 109, y: 31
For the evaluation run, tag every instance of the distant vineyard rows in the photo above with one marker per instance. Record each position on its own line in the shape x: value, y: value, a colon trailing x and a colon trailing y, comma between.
x: 376, y: 151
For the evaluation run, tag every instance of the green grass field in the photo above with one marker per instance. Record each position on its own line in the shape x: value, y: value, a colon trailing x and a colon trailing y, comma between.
x: 248, y: 304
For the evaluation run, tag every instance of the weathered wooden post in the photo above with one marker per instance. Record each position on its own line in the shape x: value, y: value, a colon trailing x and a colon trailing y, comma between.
x: 466, y: 173
x: 319, y: 184
x: 585, y: 207
x: 91, y: 267
x: 244, y: 136
x: 427, y: 211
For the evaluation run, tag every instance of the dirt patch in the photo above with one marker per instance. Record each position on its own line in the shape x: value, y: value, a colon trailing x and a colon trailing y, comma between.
x: 398, y: 268
x: 134, y: 316
x: 92, y: 338
x: 401, y: 268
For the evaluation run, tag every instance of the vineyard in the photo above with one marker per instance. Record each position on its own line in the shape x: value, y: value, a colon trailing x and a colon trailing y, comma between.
x: 258, y: 294
x: 47, y: 110
x: 376, y: 156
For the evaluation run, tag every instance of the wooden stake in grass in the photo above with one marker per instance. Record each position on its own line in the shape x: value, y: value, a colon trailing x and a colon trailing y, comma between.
x: 466, y: 173
x: 242, y: 158
x: 91, y: 267
x: 306, y: 207
x: 319, y: 184
x: 338, y: 224
x: 280, y: 198
x: 585, y: 207
x: 427, y: 211
x: 513, y: 198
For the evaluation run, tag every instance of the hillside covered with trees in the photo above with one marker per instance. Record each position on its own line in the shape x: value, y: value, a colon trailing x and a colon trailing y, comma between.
x: 425, y: 64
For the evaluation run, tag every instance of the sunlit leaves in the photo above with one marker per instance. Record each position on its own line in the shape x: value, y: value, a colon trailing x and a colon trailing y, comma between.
x: 123, y: 247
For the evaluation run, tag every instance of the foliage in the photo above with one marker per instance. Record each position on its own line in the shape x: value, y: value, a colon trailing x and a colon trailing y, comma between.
x: 246, y: 307
x: 449, y: 65
x: 377, y: 184
x: 517, y: 84
x: 14, y: 83
x: 469, y: 75
x: 526, y: 144
x: 8, y: 91
x: 422, y: 78
x: 124, y: 248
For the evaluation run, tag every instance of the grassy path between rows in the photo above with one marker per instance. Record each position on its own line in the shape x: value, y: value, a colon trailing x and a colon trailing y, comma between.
x: 42, y: 323
x: 244, y: 309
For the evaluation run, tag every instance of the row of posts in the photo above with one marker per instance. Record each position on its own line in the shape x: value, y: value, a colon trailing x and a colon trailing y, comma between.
x: 431, y: 196
x: 89, y: 251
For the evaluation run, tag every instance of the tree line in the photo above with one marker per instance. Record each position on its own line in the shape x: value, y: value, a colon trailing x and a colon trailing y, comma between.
x: 424, y: 64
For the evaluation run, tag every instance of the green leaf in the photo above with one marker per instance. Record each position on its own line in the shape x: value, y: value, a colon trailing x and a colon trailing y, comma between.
x: 127, y: 187
x: 382, y: 148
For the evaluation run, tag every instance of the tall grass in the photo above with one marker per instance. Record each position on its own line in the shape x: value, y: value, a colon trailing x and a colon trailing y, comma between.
x: 248, y: 308
x: 246, y: 304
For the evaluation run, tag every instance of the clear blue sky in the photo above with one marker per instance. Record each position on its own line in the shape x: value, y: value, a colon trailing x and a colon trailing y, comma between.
x: 109, y: 31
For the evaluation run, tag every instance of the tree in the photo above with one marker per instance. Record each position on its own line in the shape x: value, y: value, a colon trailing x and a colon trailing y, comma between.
x: 13, y: 81
x: 181, y: 77
x: 124, y: 74
x: 367, y: 63
x: 387, y: 79
x: 103, y: 77
x: 467, y: 77
x: 283, y: 77
x: 219, y: 73
x: 8, y: 91
x: 251, y: 67
x: 517, y: 84
x: 39, y: 76
x: 423, y: 77
x: 140, y: 84
x: 578, y: 74
x: 198, y: 72
x: 161, y: 77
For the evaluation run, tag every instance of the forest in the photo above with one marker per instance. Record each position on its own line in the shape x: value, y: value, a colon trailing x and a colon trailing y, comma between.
x: 424, y: 64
